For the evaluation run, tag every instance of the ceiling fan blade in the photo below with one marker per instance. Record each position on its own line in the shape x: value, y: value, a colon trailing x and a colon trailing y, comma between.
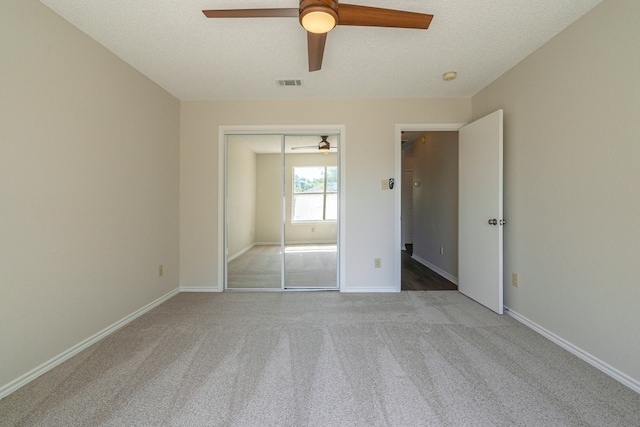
x: 315, y: 46
x: 349, y: 14
x: 304, y: 147
x: 252, y: 13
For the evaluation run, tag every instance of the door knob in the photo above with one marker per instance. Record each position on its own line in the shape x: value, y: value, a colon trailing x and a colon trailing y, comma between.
x: 493, y: 221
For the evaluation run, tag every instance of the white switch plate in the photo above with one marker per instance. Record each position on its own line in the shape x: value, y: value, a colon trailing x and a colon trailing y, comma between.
x: 385, y: 184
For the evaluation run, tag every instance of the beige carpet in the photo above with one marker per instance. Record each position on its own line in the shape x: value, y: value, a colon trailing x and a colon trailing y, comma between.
x: 306, y: 267
x: 323, y: 359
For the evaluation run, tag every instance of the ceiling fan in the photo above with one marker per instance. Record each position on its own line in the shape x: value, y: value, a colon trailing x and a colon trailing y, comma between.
x: 323, y: 146
x: 319, y: 17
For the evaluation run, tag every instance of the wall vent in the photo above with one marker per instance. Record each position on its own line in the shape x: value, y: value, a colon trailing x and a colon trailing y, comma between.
x: 289, y: 82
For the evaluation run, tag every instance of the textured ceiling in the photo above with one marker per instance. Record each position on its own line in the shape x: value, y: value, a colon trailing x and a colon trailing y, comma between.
x: 195, y: 58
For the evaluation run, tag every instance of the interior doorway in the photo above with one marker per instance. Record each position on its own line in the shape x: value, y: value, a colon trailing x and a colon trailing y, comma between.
x: 427, y: 211
x: 282, y: 210
x: 479, y: 213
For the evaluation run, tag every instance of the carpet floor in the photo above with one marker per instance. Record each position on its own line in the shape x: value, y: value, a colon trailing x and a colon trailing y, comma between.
x: 323, y: 359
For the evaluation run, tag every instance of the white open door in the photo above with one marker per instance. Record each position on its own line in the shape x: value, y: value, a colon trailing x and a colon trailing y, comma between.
x: 480, y: 222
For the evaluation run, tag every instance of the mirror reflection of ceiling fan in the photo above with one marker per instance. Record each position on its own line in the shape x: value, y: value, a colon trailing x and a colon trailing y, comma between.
x: 323, y: 146
x: 319, y: 17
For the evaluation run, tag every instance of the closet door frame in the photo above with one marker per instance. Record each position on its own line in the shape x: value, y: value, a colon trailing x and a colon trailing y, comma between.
x: 225, y: 130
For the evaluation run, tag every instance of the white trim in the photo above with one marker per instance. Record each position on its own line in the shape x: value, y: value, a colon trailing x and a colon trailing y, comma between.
x: 310, y: 242
x: 198, y: 289
x: 240, y: 252
x: 433, y: 127
x: 222, y: 237
x: 66, y: 355
x: 435, y: 269
x: 392, y: 289
x: 313, y: 222
x: 614, y: 373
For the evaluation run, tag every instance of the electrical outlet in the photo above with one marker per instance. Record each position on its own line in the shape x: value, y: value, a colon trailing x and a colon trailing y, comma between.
x: 377, y: 263
x: 160, y: 270
x: 515, y: 280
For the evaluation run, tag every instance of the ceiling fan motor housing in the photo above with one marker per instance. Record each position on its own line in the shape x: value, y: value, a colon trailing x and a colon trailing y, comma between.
x: 326, y: 7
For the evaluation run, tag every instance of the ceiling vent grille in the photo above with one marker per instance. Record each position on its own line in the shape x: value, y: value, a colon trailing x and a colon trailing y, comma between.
x: 289, y: 82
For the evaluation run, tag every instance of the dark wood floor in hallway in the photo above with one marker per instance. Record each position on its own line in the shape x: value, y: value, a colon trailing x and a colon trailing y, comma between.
x: 417, y: 277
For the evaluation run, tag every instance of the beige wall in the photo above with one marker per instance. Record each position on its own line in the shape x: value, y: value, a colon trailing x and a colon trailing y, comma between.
x: 269, y: 199
x: 369, y: 150
x: 572, y: 174
x: 241, y: 196
x: 435, y: 201
x: 88, y: 188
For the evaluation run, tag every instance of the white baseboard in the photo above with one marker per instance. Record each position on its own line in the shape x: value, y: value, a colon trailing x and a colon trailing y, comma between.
x: 64, y: 356
x: 438, y: 270
x: 369, y: 290
x: 614, y: 373
x: 237, y: 254
x: 299, y: 242
x: 198, y: 289
x: 312, y: 242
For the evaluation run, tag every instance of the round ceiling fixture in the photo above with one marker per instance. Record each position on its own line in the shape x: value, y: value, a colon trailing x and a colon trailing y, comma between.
x: 318, y: 17
x: 448, y: 76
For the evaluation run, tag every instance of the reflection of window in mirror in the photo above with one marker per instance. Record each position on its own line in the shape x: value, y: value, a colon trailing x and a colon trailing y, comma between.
x: 315, y: 193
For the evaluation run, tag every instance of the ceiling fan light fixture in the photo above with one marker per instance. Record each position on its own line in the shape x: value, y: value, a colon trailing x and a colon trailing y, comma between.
x: 318, y: 19
x: 324, y: 146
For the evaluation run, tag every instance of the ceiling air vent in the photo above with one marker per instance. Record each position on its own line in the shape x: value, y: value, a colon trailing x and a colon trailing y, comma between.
x: 289, y: 82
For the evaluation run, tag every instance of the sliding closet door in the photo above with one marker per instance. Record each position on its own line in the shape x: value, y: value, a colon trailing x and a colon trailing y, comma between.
x: 281, y: 212
x: 310, y: 213
x: 254, y: 212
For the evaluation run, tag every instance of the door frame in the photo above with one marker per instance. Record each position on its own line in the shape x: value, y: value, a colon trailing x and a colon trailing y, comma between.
x: 426, y: 127
x: 224, y: 130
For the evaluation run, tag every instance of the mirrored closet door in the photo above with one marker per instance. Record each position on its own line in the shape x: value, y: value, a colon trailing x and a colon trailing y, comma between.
x: 281, y: 212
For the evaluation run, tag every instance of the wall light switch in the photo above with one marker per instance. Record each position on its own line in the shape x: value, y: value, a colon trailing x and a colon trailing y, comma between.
x: 384, y: 184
